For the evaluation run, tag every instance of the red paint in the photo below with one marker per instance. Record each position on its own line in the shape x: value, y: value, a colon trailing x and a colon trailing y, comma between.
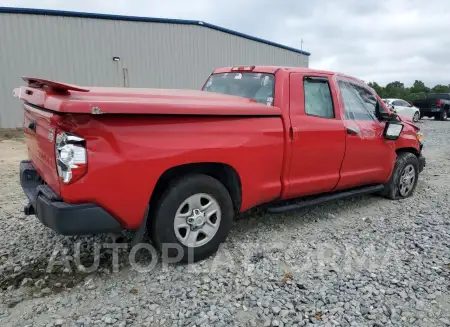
x: 317, y: 140
x: 278, y: 152
x: 368, y: 159
x: 54, y: 85
x: 41, y: 150
x: 143, y: 101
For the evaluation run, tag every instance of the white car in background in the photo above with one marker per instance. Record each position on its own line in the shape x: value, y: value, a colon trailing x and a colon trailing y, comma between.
x: 403, y: 108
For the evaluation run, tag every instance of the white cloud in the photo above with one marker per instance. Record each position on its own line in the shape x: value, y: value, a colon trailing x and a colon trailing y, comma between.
x: 373, y: 40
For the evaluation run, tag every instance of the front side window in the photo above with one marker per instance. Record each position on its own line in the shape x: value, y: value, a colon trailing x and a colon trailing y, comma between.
x: 359, y: 102
x: 318, y: 100
x: 397, y: 103
x: 257, y: 86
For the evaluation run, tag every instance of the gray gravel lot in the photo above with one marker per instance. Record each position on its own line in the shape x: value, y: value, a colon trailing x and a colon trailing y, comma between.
x: 360, y: 262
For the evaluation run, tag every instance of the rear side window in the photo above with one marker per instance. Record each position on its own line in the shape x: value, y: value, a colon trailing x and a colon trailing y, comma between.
x: 359, y: 102
x: 257, y: 86
x: 318, y: 100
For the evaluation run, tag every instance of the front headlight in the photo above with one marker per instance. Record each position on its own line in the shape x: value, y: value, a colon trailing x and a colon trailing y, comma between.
x: 419, y: 137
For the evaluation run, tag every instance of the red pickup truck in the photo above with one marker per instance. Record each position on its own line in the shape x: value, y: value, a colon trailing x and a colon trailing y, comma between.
x: 183, y: 163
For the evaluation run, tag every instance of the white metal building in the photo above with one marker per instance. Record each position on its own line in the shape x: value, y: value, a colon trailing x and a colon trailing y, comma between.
x: 111, y: 50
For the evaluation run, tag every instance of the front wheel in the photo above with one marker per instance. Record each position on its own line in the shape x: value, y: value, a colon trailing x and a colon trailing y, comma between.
x: 404, y: 177
x: 416, y: 117
x: 444, y: 115
x: 193, y: 218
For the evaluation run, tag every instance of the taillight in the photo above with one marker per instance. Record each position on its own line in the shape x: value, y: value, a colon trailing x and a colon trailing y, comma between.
x: 438, y: 102
x: 71, y: 157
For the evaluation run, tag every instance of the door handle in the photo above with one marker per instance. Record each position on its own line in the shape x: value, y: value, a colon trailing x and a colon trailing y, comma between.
x: 352, y: 131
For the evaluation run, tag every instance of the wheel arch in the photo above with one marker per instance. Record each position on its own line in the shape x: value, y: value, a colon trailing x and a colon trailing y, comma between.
x: 224, y: 173
x: 407, y: 149
x: 391, y: 188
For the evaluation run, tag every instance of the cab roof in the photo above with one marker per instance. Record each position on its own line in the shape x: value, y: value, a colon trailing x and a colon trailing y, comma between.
x: 274, y: 69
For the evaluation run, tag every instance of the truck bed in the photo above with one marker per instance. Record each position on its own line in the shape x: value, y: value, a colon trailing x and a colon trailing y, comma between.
x: 67, y: 98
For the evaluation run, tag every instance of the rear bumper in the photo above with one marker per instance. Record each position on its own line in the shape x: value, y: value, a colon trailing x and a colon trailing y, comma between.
x: 62, y: 217
x: 422, y: 163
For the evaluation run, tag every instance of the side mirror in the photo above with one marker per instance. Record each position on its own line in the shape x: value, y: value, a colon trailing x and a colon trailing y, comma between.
x: 392, y: 131
x: 385, y: 116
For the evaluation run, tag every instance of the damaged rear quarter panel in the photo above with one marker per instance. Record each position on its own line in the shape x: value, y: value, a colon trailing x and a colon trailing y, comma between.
x: 128, y: 153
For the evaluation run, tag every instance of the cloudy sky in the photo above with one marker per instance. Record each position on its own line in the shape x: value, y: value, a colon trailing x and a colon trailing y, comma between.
x: 375, y: 40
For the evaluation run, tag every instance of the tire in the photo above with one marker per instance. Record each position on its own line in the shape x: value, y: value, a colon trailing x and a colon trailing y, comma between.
x: 416, y: 117
x: 394, y: 189
x: 443, y: 115
x: 188, y: 191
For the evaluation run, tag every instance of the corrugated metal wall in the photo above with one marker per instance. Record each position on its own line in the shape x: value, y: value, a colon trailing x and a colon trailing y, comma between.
x: 80, y: 51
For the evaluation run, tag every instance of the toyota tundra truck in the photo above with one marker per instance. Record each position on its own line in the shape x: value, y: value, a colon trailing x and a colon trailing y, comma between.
x: 181, y: 164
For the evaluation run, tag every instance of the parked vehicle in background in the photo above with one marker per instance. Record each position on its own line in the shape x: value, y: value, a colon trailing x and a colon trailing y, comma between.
x: 388, y: 104
x: 435, y: 105
x: 403, y: 108
x: 183, y: 163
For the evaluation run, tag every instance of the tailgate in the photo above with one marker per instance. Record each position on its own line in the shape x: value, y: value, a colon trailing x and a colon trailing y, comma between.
x: 425, y: 103
x: 40, y: 137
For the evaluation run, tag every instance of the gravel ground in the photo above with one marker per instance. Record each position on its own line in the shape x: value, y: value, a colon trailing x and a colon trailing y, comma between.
x: 360, y: 262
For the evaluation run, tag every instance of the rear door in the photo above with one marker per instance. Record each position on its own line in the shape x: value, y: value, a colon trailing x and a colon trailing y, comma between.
x: 317, y: 135
x: 369, y: 158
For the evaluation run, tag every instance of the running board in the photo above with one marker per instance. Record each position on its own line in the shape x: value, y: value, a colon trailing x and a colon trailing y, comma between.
x: 326, y: 198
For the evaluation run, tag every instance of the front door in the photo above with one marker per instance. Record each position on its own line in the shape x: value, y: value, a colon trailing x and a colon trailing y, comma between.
x: 369, y: 158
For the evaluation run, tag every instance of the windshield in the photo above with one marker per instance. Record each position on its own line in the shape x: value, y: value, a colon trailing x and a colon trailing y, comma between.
x: 436, y: 96
x: 256, y: 86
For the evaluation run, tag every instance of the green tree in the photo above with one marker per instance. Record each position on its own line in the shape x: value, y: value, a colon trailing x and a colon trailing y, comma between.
x: 379, y: 89
x: 441, y: 89
x: 419, y: 87
x: 414, y: 96
x: 397, y: 89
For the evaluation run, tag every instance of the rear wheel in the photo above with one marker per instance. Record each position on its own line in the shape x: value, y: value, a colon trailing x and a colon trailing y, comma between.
x: 195, y: 216
x: 404, y: 178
